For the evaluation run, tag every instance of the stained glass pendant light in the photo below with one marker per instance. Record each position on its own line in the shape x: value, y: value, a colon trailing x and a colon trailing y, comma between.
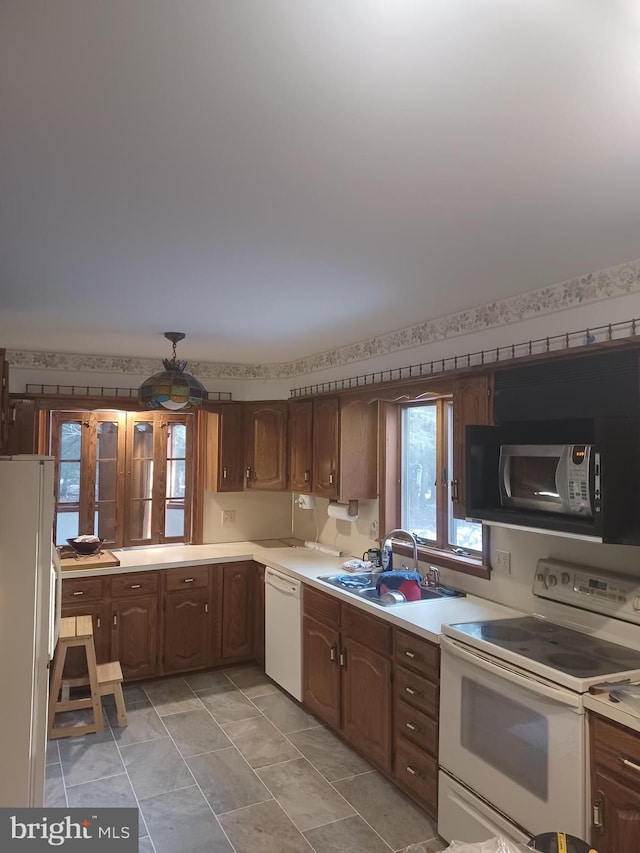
x: 172, y: 388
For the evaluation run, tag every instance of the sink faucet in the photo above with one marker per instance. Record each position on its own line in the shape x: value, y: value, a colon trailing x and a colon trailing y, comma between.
x: 432, y: 577
x: 408, y: 535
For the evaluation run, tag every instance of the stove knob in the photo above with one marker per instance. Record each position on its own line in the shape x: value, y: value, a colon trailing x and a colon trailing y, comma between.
x: 636, y: 603
x: 565, y: 577
x: 540, y: 577
x: 552, y: 580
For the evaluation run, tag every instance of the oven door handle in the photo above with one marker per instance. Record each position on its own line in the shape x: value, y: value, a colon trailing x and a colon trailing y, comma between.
x: 502, y: 670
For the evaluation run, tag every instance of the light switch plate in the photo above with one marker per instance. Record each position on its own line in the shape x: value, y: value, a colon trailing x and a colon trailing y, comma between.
x: 228, y: 516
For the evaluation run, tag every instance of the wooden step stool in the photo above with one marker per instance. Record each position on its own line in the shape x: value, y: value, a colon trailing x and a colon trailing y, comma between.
x: 74, y: 631
x: 109, y: 681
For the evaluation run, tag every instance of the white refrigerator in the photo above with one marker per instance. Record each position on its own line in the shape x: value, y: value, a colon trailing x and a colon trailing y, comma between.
x: 29, y: 615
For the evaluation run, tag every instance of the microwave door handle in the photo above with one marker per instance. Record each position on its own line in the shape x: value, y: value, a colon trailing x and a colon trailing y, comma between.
x: 476, y: 659
x: 562, y: 485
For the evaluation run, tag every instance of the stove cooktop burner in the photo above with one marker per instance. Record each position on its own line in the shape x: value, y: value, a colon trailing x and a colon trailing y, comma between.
x: 506, y: 633
x: 564, y: 649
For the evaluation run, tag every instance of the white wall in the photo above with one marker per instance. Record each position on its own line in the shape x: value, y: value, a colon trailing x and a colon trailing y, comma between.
x: 258, y: 515
x: 351, y: 537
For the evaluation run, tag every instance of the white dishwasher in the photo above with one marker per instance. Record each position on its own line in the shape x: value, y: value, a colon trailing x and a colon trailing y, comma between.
x: 283, y: 631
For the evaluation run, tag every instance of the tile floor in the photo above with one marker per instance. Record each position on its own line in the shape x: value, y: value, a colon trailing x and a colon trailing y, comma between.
x: 225, y: 761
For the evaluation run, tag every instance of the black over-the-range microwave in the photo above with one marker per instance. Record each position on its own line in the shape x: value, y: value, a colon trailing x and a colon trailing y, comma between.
x: 573, y: 477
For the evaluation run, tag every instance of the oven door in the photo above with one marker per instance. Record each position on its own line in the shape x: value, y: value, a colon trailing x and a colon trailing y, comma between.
x: 518, y: 742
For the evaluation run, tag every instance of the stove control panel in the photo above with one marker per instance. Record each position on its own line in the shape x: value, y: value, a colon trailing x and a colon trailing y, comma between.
x: 591, y: 589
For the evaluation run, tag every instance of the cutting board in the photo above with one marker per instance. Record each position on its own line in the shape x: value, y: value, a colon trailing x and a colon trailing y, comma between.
x: 103, y: 560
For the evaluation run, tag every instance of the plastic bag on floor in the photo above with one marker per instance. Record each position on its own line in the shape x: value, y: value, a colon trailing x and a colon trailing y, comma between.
x: 493, y: 845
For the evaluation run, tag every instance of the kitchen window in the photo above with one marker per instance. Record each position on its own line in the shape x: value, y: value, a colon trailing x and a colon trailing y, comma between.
x: 417, y: 493
x: 125, y: 477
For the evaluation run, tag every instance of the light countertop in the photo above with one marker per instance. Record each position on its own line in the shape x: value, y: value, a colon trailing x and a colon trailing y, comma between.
x: 619, y: 712
x: 422, y: 618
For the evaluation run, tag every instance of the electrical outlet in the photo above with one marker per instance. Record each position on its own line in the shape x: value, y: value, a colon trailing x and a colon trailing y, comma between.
x: 503, y: 561
x: 373, y: 529
x: 228, y: 516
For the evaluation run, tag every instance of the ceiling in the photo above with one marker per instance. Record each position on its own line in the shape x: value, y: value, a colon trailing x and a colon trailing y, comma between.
x: 283, y: 177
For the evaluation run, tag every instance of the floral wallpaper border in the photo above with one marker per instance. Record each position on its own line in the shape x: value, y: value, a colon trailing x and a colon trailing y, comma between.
x: 608, y: 283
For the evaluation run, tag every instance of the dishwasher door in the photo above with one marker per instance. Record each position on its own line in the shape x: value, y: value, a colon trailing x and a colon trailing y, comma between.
x: 283, y: 631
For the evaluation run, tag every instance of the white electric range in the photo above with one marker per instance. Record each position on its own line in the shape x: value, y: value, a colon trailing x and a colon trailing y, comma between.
x: 513, y: 741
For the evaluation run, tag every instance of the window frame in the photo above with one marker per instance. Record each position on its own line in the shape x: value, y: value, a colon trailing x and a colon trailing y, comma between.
x: 390, y: 431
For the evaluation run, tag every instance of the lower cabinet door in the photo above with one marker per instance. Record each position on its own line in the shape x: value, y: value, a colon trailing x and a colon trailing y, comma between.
x: 321, y: 671
x: 417, y: 773
x: 187, y: 630
x: 366, y: 701
x: 75, y: 663
x: 134, y: 636
x: 238, y: 580
x: 618, y: 806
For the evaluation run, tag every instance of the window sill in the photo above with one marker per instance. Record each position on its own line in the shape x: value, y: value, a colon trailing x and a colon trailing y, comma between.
x: 445, y: 559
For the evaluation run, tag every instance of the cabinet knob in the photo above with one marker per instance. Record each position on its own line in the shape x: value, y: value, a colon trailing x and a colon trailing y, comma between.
x: 115, y: 618
x: 343, y: 659
x: 79, y: 593
x: 188, y: 580
x: 135, y: 586
x: 413, y: 771
x: 224, y: 473
x: 306, y: 476
x: 333, y: 654
x: 411, y: 691
x: 598, y: 803
x: 409, y: 654
x: 412, y: 727
x: 248, y: 472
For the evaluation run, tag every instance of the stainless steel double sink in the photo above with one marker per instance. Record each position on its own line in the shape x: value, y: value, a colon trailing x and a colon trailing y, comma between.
x: 364, y: 585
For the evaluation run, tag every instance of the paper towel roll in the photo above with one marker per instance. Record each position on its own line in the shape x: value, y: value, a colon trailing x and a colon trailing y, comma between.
x: 340, y: 511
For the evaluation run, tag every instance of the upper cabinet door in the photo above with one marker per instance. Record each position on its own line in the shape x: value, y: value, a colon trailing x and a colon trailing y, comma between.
x: 301, y: 446
x: 472, y: 404
x: 345, y: 449
x: 266, y: 456
x: 326, y: 447
x: 225, y: 468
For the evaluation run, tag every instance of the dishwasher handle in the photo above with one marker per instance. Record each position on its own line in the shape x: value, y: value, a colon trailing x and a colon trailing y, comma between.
x: 282, y: 584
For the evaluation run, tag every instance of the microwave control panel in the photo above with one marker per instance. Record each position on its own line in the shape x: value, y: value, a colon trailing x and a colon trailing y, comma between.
x: 601, y: 592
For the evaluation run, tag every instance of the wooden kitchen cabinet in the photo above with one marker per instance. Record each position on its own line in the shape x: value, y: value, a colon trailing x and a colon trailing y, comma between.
x: 416, y: 663
x: 472, y: 404
x: 225, y: 449
x: 187, y: 619
x: 258, y: 635
x: 85, y: 597
x: 238, y: 582
x: 301, y: 446
x: 134, y: 623
x: 333, y: 448
x: 615, y: 786
x: 266, y: 445
x: 347, y: 673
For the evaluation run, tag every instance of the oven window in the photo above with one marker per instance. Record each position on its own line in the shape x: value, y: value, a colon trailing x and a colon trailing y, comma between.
x: 534, y: 477
x: 508, y: 736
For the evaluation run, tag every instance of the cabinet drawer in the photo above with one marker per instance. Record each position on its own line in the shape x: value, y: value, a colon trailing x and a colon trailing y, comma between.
x: 368, y: 630
x: 322, y: 607
x: 417, y: 691
x: 187, y: 577
x: 417, y: 653
x: 417, y: 772
x: 134, y: 583
x: 416, y: 726
x: 77, y: 590
x: 612, y: 745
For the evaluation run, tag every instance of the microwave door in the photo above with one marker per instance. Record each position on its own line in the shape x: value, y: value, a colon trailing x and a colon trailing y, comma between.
x: 529, y: 477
